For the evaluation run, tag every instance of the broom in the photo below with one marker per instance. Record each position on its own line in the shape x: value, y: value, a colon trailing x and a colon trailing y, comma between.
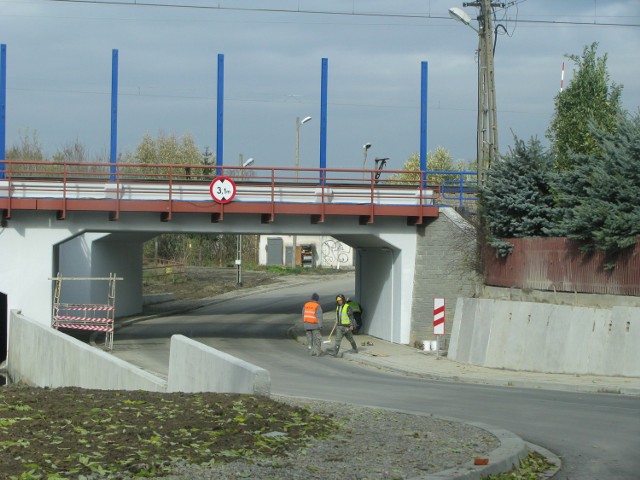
x: 328, y: 340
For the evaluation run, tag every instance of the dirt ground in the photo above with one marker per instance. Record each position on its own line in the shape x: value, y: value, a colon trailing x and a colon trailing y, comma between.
x: 69, y: 432
x: 204, y: 282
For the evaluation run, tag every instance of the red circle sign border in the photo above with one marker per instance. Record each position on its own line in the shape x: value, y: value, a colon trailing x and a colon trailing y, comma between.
x: 222, y: 179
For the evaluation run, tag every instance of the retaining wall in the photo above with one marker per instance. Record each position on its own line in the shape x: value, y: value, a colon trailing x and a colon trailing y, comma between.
x: 40, y: 355
x: 546, y: 338
x: 194, y: 367
x: 44, y: 357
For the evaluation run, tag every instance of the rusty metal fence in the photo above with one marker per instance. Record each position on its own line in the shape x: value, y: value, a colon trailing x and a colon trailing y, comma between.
x: 557, y: 264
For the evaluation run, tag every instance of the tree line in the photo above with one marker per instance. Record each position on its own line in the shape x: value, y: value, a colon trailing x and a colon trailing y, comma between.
x: 586, y: 185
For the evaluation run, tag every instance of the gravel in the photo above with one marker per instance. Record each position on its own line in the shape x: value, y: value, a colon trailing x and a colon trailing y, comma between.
x: 371, y: 444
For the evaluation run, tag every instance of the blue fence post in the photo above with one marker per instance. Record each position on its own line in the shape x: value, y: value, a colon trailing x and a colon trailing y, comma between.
x: 323, y: 120
x: 423, y: 121
x: 113, y: 157
x: 220, y: 116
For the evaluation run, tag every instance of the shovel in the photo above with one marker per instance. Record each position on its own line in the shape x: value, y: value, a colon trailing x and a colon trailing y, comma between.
x: 328, y: 340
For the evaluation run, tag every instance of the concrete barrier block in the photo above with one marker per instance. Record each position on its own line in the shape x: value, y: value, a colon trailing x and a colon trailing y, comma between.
x: 480, y: 332
x: 544, y: 337
x: 457, y: 344
x: 621, y: 342
x: 44, y: 357
x: 195, y: 367
x: 584, y: 339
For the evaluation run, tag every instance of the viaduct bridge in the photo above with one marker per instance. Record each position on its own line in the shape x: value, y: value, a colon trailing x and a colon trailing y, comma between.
x: 91, y: 220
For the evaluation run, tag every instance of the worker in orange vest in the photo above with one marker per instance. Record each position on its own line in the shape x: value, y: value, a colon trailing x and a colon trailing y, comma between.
x: 312, y: 318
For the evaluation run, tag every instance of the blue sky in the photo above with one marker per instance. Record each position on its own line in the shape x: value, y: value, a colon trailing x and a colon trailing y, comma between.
x: 59, y: 72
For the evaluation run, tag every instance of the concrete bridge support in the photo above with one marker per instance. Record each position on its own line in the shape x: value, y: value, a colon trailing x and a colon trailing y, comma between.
x: 399, y: 268
x: 38, y: 248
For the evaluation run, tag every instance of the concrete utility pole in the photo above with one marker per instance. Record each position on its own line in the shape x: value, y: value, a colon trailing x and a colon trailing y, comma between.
x: 487, y: 134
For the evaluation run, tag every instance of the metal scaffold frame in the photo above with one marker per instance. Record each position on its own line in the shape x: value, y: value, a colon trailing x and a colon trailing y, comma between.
x: 84, y: 316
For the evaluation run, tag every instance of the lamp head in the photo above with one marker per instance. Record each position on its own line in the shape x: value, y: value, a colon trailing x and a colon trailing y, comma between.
x: 366, y: 146
x: 248, y: 162
x: 460, y: 15
x: 305, y: 120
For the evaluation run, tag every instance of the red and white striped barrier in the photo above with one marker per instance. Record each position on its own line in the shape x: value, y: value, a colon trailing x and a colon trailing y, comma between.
x: 86, y: 308
x: 438, y: 316
x: 71, y: 318
x: 92, y: 328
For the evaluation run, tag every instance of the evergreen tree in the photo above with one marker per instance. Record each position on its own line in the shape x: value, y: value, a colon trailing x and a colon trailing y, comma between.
x: 588, y: 97
x: 516, y: 200
x: 600, y: 199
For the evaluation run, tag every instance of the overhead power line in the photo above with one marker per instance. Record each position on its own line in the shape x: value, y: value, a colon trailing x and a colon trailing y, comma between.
x: 353, y: 13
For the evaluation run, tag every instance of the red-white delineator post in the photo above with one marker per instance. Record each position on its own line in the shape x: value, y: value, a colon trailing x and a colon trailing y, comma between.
x: 438, y: 320
x: 562, y: 78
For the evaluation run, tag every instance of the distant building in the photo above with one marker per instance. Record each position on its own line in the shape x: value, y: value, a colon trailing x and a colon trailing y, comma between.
x: 311, y: 251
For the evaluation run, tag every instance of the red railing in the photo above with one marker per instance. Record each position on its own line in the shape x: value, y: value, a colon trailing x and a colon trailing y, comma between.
x: 170, y: 189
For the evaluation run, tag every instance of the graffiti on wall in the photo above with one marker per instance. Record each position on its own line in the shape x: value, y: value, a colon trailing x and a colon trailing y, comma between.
x: 335, y: 253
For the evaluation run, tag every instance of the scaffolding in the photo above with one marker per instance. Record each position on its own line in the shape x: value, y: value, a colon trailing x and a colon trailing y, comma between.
x: 83, y: 316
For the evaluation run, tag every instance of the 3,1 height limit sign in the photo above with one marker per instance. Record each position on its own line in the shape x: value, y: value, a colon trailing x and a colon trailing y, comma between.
x: 438, y: 316
x: 223, y: 189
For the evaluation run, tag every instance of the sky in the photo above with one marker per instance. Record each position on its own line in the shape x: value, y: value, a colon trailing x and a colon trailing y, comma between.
x: 59, y: 72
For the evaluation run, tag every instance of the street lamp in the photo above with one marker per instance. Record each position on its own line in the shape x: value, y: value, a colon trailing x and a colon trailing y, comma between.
x: 298, y: 123
x: 487, y: 125
x: 366, y: 148
x: 246, y: 163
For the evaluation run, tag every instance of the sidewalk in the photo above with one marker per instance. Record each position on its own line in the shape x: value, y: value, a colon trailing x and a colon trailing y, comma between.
x: 409, y: 360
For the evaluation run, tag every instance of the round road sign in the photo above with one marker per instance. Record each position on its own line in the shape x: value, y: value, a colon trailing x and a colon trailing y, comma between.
x: 223, y: 189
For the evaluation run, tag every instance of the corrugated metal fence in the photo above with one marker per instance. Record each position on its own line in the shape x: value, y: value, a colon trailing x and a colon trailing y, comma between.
x: 557, y: 264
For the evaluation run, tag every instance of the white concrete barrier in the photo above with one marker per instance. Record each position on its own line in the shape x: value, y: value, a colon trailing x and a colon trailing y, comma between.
x: 542, y: 337
x: 194, y: 367
x: 44, y: 357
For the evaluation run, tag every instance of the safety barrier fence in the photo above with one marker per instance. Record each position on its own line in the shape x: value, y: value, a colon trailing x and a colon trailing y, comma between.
x: 88, y: 317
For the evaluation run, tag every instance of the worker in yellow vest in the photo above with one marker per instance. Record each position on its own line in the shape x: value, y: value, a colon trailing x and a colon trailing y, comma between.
x: 312, y: 319
x: 345, y: 324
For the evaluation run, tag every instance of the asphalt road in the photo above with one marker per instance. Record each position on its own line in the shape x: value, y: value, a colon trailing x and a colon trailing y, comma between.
x: 597, y: 436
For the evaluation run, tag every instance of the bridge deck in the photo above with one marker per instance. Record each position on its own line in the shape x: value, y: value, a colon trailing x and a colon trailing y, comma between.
x: 174, y: 189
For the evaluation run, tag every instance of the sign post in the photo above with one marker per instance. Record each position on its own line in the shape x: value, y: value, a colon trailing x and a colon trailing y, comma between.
x: 438, y: 321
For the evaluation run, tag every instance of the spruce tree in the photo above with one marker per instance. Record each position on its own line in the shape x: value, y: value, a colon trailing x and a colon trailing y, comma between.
x: 516, y: 200
x: 600, y: 199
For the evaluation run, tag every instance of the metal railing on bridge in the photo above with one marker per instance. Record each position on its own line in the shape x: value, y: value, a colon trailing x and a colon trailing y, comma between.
x: 177, y: 188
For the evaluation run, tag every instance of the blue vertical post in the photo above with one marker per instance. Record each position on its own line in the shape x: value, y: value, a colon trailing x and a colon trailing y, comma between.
x: 113, y: 157
x: 220, y: 116
x: 3, y: 107
x: 423, y: 121
x: 323, y: 120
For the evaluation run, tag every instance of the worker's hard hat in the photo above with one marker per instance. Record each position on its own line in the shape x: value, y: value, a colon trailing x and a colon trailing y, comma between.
x: 340, y: 297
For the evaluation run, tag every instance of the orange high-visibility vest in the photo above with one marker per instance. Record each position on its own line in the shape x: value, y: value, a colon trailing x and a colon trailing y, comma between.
x: 310, y: 311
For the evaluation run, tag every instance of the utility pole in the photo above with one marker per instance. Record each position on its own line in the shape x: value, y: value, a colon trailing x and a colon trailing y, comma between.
x: 487, y: 132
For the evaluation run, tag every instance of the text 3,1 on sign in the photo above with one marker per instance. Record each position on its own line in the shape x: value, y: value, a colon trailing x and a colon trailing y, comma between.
x: 223, y: 189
